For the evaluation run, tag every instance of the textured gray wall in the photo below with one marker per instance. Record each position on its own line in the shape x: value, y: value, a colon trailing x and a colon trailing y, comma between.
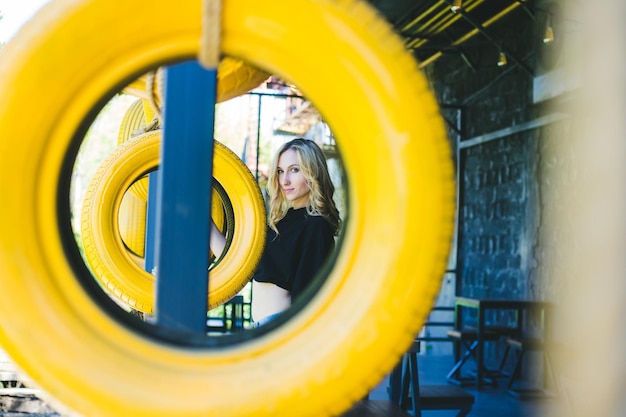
x: 498, y: 179
x: 542, y: 210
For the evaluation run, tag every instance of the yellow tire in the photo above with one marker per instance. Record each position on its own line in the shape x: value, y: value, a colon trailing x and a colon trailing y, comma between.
x: 134, y: 119
x: 132, y: 223
x: 332, y: 346
x: 132, y: 228
x: 132, y: 219
x: 109, y: 258
x: 234, y: 78
x: 132, y: 215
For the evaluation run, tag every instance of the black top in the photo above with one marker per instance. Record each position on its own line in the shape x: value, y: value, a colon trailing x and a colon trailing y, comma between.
x: 292, y: 259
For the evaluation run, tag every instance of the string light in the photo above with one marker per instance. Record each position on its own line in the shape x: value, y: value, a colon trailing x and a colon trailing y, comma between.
x: 502, y: 61
x: 456, y: 6
x: 548, y: 36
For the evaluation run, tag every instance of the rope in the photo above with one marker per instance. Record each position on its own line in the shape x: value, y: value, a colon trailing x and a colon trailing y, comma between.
x: 151, y: 86
x: 209, y: 55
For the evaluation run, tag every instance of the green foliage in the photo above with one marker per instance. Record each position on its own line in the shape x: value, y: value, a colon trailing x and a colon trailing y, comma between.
x: 100, y: 141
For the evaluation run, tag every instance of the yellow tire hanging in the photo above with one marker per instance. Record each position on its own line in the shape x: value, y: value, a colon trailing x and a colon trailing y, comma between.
x: 132, y: 223
x: 325, y: 353
x: 234, y: 78
x: 132, y: 220
x: 133, y: 121
x: 132, y: 213
x: 108, y: 257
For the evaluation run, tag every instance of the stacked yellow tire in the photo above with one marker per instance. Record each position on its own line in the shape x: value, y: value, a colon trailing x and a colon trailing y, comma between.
x: 330, y: 348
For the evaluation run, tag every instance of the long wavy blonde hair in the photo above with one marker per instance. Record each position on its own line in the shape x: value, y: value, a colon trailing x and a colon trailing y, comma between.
x: 315, y: 170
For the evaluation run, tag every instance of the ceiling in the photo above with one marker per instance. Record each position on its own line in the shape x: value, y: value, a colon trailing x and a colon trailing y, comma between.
x: 430, y: 28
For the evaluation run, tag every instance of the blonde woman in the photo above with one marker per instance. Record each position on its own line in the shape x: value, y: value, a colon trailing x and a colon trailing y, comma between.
x: 303, y: 221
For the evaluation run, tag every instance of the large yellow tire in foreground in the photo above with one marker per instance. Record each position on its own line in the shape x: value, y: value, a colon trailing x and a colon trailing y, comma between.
x: 108, y: 257
x: 333, y: 345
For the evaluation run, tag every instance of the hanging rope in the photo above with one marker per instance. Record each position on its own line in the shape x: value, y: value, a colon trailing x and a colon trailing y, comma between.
x: 151, y: 89
x: 209, y: 55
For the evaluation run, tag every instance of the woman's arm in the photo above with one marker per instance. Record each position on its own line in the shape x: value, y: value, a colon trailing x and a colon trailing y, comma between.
x: 217, y: 242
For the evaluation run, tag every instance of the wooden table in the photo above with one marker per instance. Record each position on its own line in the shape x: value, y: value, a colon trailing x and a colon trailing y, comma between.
x: 483, y: 305
x: 404, y: 384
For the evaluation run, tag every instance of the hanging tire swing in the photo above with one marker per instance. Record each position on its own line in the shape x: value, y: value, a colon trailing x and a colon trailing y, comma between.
x: 127, y: 280
x: 135, y: 120
x: 132, y: 218
x: 234, y: 78
x: 238, y: 208
x: 336, y: 342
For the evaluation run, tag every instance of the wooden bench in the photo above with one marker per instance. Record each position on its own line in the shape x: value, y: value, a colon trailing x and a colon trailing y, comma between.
x: 376, y: 408
x: 445, y: 397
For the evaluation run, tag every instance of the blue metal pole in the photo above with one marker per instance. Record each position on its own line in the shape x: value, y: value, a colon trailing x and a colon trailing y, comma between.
x: 151, y: 221
x: 182, y: 238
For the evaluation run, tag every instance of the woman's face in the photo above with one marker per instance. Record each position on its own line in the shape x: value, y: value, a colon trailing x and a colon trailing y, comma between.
x: 291, y: 180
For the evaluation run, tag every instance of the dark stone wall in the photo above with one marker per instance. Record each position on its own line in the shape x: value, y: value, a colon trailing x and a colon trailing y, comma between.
x: 498, y: 178
x: 497, y: 187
